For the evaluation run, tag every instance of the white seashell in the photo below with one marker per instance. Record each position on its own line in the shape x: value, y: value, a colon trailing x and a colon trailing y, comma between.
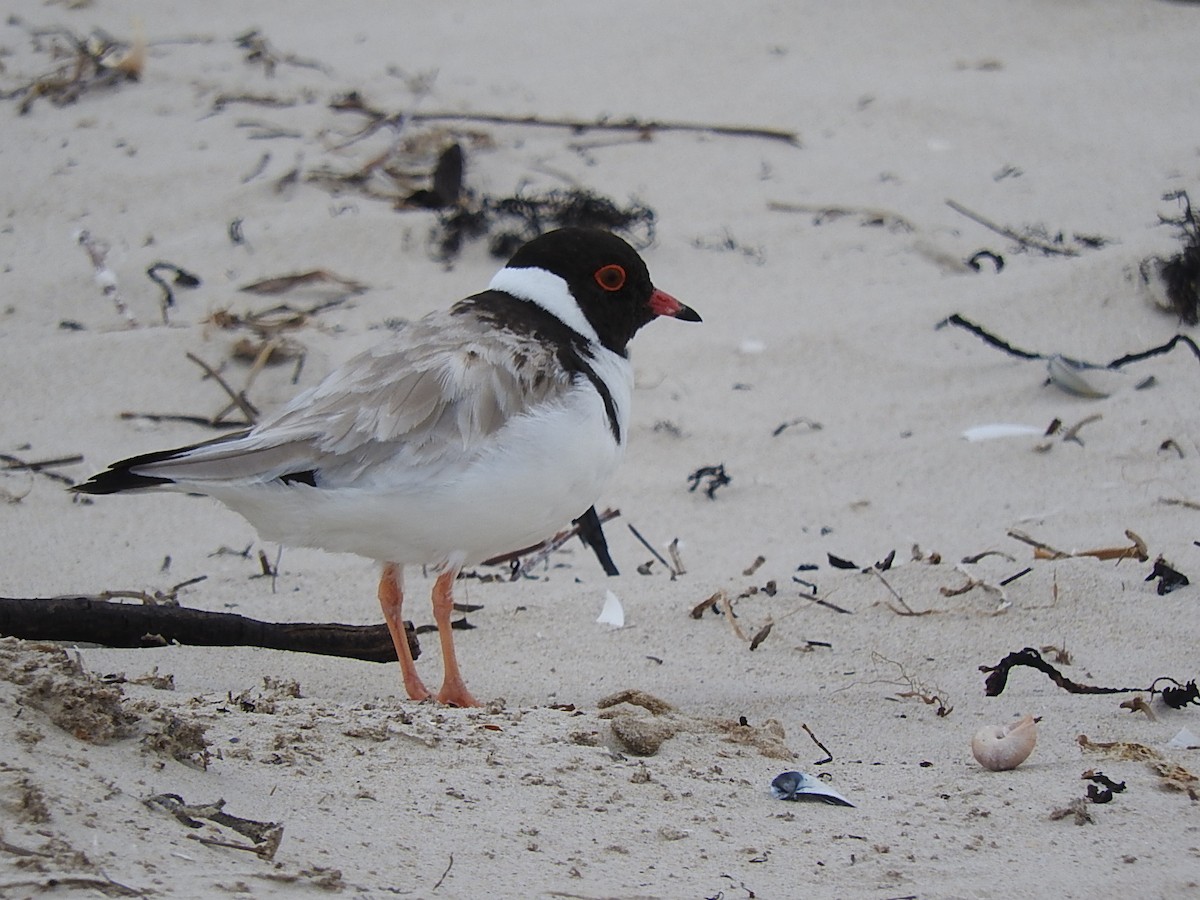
x: 1004, y: 747
x: 1001, y: 430
x: 1085, y: 381
x: 613, y: 613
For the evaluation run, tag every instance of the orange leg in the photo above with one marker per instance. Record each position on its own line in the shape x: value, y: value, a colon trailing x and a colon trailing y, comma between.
x: 391, y: 598
x: 454, y: 689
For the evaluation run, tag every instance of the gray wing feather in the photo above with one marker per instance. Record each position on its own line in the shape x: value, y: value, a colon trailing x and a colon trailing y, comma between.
x: 424, y: 401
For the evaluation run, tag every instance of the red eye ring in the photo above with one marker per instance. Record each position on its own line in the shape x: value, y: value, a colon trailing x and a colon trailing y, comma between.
x: 610, y: 277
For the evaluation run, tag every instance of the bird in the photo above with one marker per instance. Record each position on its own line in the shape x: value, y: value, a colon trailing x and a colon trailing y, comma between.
x: 476, y: 430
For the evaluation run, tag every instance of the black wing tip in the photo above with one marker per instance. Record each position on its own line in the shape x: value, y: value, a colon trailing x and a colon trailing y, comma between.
x: 120, y: 477
x: 117, y: 480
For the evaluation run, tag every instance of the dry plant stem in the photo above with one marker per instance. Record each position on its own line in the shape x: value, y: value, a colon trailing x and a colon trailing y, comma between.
x: 906, y: 610
x: 648, y: 126
x: 42, y: 466
x: 866, y: 215
x: 645, y: 543
x: 828, y: 756
x: 1023, y: 240
x: 238, y: 400
x: 538, y: 553
x: 727, y: 607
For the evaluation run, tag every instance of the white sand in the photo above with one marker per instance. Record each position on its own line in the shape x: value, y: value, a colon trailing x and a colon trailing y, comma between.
x: 1090, y: 109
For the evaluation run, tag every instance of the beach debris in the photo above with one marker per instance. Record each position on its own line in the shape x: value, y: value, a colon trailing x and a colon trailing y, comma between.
x: 182, y: 278
x: 1001, y: 748
x: 1090, y: 382
x: 265, y: 837
x: 259, y: 51
x: 447, y: 181
x: 1077, y: 809
x: 106, y: 278
x: 281, y: 284
x: 82, y: 64
x: 43, y: 467
x: 914, y: 688
x: 1102, y: 789
x: 1180, y: 695
x: 800, y: 786
x: 157, y: 620
x: 508, y: 222
x: 1001, y: 344
x: 828, y: 755
x: 588, y: 528
x: 1168, y: 578
x: 1137, y: 550
x: 1065, y: 435
x: 1036, y: 237
x: 1180, y: 273
x: 994, y: 430
x: 792, y: 423
x: 645, y: 570
x: 644, y: 128
x: 1139, y: 704
x: 728, y: 243
x: 613, y: 613
x: 974, y: 262
x: 1184, y: 739
x: 1174, y: 695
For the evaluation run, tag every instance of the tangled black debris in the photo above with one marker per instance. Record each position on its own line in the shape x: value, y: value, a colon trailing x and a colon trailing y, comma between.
x: 183, y: 278
x: 447, y: 181
x: 1180, y: 695
x: 1175, y: 697
x: 1168, y: 578
x: 1102, y: 788
x: 716, y: 476
x: 1181, y: 273
x: 508, y: 222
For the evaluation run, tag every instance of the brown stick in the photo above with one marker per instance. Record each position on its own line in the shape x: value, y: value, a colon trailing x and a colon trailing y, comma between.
x: 91, y: 619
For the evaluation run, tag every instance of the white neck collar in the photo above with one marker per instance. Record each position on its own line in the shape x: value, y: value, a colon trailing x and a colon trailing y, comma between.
x: 550, y: 292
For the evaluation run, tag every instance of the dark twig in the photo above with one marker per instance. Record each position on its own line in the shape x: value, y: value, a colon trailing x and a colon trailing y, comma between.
x: 42, y: 466
x: 828, y: 756
x: 237, y: 397
x: 645, y: 543
x: 92, y: 619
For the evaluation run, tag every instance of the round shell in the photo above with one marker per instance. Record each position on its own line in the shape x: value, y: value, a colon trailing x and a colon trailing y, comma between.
x: 1004, y: 747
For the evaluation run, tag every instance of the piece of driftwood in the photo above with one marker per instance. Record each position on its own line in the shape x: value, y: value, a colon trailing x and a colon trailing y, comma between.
x: 94, y: 620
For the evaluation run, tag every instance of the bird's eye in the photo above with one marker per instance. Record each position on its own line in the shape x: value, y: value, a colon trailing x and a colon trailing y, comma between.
x: 610, y: 277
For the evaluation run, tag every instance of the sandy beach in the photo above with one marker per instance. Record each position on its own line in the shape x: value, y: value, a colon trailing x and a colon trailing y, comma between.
x: 819, y: 176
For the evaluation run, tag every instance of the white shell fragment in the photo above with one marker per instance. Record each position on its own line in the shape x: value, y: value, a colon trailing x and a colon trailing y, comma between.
x: 798, y: 786
x: 1085, y: 381
x: 1003, y: 747
x: 1001, y: 430
x: 1184, y: 740
x: 613, y: 613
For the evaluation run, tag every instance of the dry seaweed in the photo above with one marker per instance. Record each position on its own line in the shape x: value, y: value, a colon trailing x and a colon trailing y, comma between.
x: 1001, y: 344
x: 509, y: 222
x: 1176, y: 697
x: 1168, y: 578
x: 714, y: 476
x: 1180, y: 273
x: 82, y: 64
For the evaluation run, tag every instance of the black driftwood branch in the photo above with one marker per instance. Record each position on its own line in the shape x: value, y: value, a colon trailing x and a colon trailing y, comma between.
x: 96, y: 621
